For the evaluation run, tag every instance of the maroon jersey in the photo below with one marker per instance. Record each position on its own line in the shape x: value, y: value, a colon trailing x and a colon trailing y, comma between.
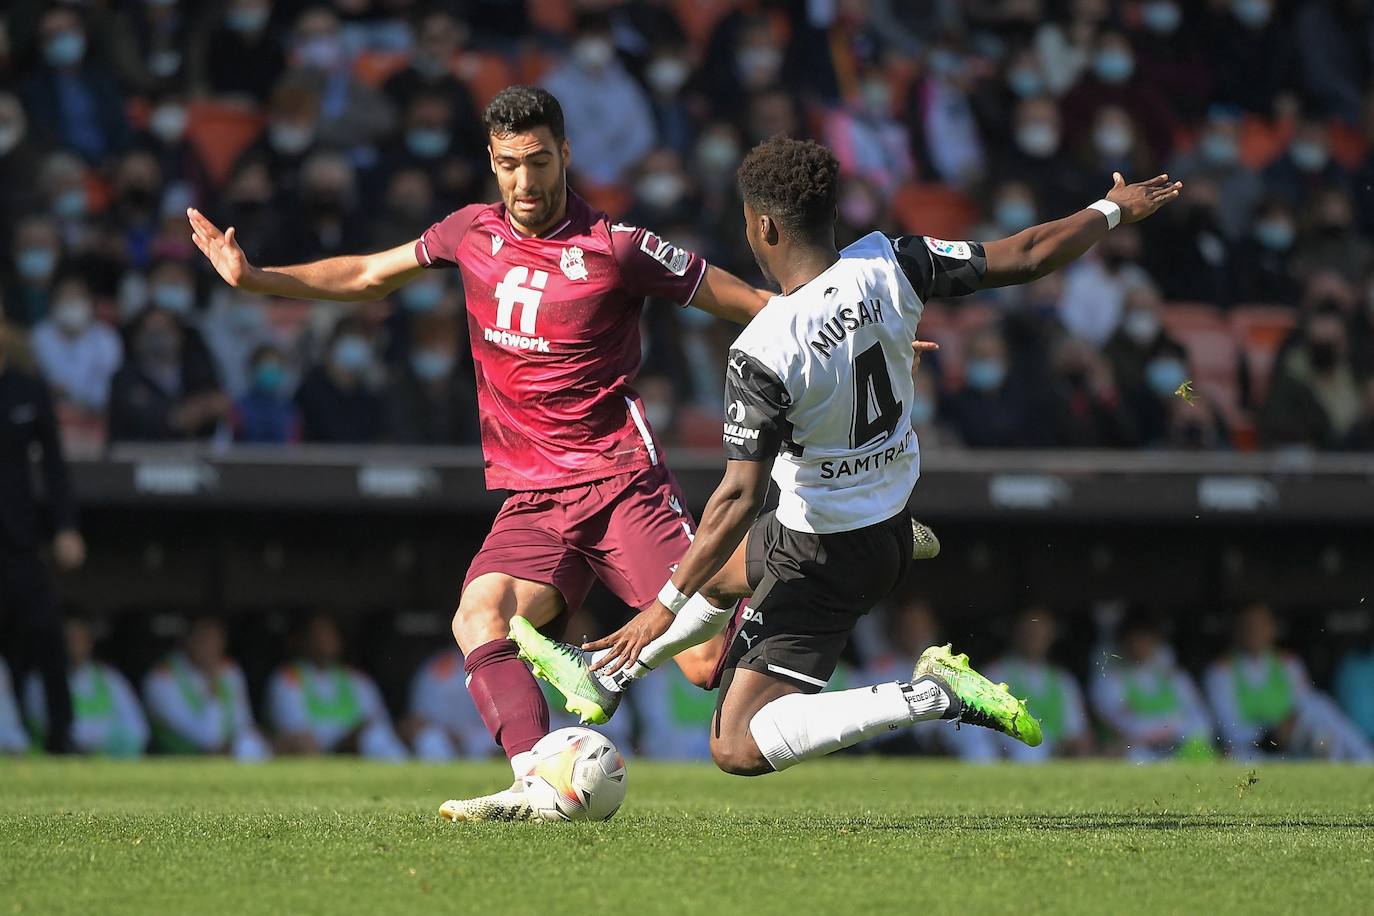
x: 554, y: 324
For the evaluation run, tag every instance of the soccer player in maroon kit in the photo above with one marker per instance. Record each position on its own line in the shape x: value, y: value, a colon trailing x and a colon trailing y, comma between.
x: 554, y: 293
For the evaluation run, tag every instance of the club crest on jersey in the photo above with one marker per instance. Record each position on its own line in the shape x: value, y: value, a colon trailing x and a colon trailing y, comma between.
x: 496, y: 243
x: 574, y: 268
x: 960, y: 250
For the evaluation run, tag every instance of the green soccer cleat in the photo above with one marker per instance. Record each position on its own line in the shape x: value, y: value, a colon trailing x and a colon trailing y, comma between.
x: 982, y: 702
x: 569, y: 670
x: 924, y: 544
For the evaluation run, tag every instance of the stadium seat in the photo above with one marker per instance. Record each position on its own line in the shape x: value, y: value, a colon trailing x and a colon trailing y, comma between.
x: 373, y: 68
x: 554, y: 16
x: 938, y: 325
x: 699, y: 17
x: 1262, y: 141
x: 486, y: 73
x: 220, y: 133
x: 614, y: 199
x: 933, y: 209
x: 1259, y: 331
x: 1182, y: 318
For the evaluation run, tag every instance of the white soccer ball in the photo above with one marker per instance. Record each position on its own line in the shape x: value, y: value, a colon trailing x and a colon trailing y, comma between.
x: 579, y: 776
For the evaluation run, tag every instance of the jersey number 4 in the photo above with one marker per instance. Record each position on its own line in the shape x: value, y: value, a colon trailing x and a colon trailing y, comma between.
x: 876, y: 408
x: 513, y: 291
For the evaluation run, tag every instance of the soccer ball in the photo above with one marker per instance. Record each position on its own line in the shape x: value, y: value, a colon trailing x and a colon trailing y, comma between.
x: 579, y: 776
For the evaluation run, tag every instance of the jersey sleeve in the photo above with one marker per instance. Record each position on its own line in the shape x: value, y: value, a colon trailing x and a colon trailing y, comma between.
x: 940, y: 269
x: 653, y: 266
x: 756, y: 403
x: 438, y: 246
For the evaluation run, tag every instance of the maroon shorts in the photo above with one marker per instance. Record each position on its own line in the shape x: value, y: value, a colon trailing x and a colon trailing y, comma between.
x: 629, y: 531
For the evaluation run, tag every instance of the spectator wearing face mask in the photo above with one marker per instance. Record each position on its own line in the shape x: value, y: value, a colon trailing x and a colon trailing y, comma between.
x: 1086, y: 410
x: 1171, y: 56
x: 869, y: 142
x: 1037, y: 154
x: 1251, y: 52
x: 1095, y: 288
x: 146, y: 43
x: 432, y: 401
x: 33, y: 257
x: 71, y: 101
x: 352, y: 115
x: 1215, y: 158
x: 1189, y: 253
x: 321, y: 224
x: 940, y: 103
x: 171, y: 287
x: 663, y: 192
x: 666, y: 75
x: 159, y: 394
x: 990, y: 411
x: 235, y: 327
x: 1331, y: 241
x: 265, y: 412
x: 336, y: 398
x: 744, y: 55
x: 165, y: 139
x: 1307, y: 165
x: 21, y: 159
x: 290, y: 136
x: 1114, y: 144
x: 1145, y: 358
x: 77, y: 354
x: 1314, y: 399
x: 1263, y: 259
x: 439, y: 40
x: 238, y: 58
x: 430, y: 140
x: 609, y: 120
x: 247, y: 204
x: 1112, y: 82
x: 136, y: 210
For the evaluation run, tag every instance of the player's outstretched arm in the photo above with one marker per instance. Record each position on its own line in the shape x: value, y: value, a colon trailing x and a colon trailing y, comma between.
x: 346, y: 278
x: 1043, y: 249
x: 727, y: 296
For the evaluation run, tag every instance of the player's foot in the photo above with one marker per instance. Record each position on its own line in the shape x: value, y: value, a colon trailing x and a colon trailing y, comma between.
x: 589, y: 697
x: 977, y: 700
x: 506, y: 805
x: 924, y: 544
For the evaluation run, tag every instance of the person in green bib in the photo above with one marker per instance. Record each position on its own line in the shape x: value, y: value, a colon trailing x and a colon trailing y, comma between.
x: 13, y: 738
x: 197, y: 699
x: 107, y: 718
x: 319, y: 705
x: 1265, y: 701
x: 1149, y: 703
x: 1051, y: 692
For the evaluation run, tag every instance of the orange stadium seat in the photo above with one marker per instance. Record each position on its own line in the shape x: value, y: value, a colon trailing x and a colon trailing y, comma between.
x: 1262, y: 141
x: 933, y: 209
x: 486, y: 73
x: 373, y: 68
x: 220, y: 133
x: 552, y: 16
x: 1260, y: 330
x: 1182, y: 318
x: 614, y: 199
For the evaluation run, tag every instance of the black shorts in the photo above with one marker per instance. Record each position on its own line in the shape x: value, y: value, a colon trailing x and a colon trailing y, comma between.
x: 809, y: 592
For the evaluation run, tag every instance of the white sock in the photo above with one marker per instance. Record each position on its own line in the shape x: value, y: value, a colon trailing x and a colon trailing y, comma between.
x: 801, y: 726
x: 522, y: 763
x: 697, y: 622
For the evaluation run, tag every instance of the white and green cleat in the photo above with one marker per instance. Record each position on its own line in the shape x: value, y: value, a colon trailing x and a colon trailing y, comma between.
x: 567, y: 668
x: 924, y: 544
x: 980, y: 701
x: 506, y: 805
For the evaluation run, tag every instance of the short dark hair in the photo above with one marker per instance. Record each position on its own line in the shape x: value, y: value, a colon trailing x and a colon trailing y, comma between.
x: 793, y: 181
x: 517, y: 109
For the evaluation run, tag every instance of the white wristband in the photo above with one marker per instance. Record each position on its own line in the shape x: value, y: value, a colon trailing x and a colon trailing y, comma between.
x: 1109, y: 210
x: 671, y: 598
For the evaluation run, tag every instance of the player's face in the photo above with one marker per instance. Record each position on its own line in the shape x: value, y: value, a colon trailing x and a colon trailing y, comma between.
x: 755, y: 227
x: 531, y: 170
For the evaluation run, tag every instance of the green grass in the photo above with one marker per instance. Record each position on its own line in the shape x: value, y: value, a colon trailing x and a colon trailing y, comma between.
x: 850, y: 836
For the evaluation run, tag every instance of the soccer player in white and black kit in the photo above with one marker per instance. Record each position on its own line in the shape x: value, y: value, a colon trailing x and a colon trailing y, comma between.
x: 817, y: 392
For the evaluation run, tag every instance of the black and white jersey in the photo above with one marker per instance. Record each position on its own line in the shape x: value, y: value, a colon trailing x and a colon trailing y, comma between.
x: 821, y: 379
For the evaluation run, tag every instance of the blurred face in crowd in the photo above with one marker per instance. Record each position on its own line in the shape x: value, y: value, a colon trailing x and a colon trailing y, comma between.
x: 1256, y: 629
x: 168, y: 119
x: 318, y: 43
x: 137, y: 181
x: 323, y: 642
x: 1113, y: 133
x: 758, y: 58
x: 440, y: 37
x: 63, y: 179
x: 1219, y: 144
x: 985, y: 365
x: 71, y: 306
x: 327, y: 186
x: 36, y: 250
x: 158, y: 342
x: 172, y: 288
x: 64, y: 39
x: 350, y: 355
x: 408, y: 194
x: 662, y: 182
x: 594, y: 51
x: 717, y: 153
x: 1037, y: 128
x: 914, y: 626
x: 269, y: 371
x: 667, y: 72
x: 531, y: 172
x: 1275, y: 228
x: 1139, y: 644
x: 772, y: 113
x: 1162, y: 17
x: 436, y: 350
x: 1035, y: 634
x: 1113, y: 61
x: 1140, y: 318
x: 205, y: 643
x: 1310, y: 148
x: 247, y: 17
x: 1327, y: 289
x: 293, y: 122
x: 1326, y: 343
x: 80, y: 643
x: 13, y: 124
x: 427, y: 127
x: 1253, y: 14
x: 1024, y: 76
x: 1013, y: 207
x: 1332, y: 214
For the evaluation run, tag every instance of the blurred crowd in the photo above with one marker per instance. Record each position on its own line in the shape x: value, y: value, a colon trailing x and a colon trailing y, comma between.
x: 338, y: 126
x: 1135, y: 700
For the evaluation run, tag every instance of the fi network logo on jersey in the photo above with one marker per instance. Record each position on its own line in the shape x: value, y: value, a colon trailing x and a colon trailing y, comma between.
x: 523, y: 289
x: 574, y: 268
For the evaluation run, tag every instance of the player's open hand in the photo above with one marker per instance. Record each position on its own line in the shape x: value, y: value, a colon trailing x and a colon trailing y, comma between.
x: 1143, y: 198
x: 221, y: 248
x: 627, y: 642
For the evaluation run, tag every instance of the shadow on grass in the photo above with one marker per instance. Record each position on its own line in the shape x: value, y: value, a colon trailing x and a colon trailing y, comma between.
x: 1086, y: 821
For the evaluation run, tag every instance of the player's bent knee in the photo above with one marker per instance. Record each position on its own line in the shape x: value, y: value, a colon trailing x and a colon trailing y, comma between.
x: 739, y: 758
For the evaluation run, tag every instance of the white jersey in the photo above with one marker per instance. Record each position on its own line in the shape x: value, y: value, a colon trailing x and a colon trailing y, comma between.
x: 821, y: 379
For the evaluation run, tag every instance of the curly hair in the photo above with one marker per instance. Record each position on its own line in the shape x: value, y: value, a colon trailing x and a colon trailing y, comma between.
x: 794, y: 182
x: 517, y: 109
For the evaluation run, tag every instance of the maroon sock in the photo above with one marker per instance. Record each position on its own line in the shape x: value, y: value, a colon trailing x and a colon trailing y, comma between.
x: 507, y: 697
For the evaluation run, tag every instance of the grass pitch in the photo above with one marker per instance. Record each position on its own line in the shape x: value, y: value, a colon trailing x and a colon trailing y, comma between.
x: 856, y: 835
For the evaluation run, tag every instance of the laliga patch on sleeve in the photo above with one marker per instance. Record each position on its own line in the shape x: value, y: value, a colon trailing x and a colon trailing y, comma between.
x: 666, y: 253
x: 960, y: 250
